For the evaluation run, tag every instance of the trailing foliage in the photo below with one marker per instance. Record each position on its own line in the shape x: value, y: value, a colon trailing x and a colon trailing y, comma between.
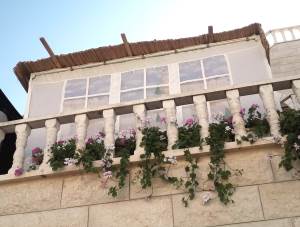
x: 154, y: 142
x: 256, y: 122
x: 125, y: 142
x: 191, y: 183
x: 189, y: 135
x: 61, y: 153
x: 94, y: 150
x: 290, y: 126
x: 218, y: 173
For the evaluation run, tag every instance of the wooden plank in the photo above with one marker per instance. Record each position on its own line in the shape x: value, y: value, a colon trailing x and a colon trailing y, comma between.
x: 50, y: 52
x: 126, y: 44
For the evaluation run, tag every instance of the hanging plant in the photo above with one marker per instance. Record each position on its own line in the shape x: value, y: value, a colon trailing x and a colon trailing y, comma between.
x: 290, y: 126
x: 125, y: 142
x: 255, y: 123
x: 189, y: 135
x: 62, y: 154
x: 94, y: 150
x: 219, y: 172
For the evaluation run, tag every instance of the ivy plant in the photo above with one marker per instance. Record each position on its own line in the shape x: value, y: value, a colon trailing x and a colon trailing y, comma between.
x: 61, y: 153
x: 290, y: 126
x: 94, y: 150
x: 189, y: 135
x: 219, y: 172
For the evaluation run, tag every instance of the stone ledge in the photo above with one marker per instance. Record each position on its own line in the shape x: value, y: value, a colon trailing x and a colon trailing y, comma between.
x: 134, y: 160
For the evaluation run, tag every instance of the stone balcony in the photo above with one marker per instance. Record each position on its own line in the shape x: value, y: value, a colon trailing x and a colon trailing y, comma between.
x: 266, y: 195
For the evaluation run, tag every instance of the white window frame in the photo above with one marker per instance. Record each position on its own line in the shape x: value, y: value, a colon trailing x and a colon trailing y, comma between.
x: 145, y: 86
x: 204, y: 79
x: 86, y: 96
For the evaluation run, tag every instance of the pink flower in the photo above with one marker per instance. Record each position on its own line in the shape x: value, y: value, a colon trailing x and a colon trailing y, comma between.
x: 189, y: 122
x: 163, y: 120
x: 242, y: 111
x: 18, y: 171
x: 254, y: 106
x: 60, y: 142
x: 36, y: 150
x: 101, y: 134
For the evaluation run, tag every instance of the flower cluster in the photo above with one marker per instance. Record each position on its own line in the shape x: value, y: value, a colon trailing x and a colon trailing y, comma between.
x: 172, y: 160
x: 125, y: 142
x: 18, y: 171
x: 70, y: 161
x: 106, y: 166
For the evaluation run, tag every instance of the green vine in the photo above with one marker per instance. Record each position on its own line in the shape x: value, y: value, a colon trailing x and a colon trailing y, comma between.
x: 219, y: 173
x: 62, y: 153
x: 189, y: 135
x: 290, y: 126
x: 191, y: 183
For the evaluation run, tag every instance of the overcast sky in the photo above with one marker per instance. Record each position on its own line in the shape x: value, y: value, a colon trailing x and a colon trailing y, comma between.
x: 72, y: 25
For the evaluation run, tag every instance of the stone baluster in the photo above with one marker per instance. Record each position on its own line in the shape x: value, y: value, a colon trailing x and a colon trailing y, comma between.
x: 109, y: 128
x: 283, y: 35
x: 140, y: 113
x: 267, y: 96
x: 233, y: 98
x: 296, y: 89
x: 81, y: 124
x: 22, y: 132
x: 2, y: 135
x: 52, y: 128
x: 292, y: 33
x: 273, y: 33
x: 172, y: 132
x: 202, y: 114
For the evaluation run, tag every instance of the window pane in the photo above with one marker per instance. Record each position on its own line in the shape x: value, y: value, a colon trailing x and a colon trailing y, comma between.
x: 73, y: 104
x: 215, y: 66
x: 99, y: 85
x: 97, y: 101
x: 219, y: 107
x: 192, y: 86
x: 218, y: 82
x: 132, y: 95
x: 157, y: 76
x: 157, y: 91
x: 155, y: 117
x: 188, y: 111
x: 75, y: 88
x: 133, y: 79
x: 190, y: 70
x: 127, y: 121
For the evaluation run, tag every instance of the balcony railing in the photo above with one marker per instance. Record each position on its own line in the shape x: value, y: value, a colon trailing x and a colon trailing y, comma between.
x: 81, y: 118
x: 283, y: 34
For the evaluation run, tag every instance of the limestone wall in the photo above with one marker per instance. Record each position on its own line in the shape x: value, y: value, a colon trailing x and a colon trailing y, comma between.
x: 265, y: 196
x: 285, y: 59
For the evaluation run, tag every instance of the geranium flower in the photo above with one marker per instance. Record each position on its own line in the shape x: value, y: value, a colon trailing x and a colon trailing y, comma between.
x: 206, y: 197
x: 296, y: 146
x: 189, y: 122
x: 254, y: 106
x: 70, y: 161
x: 242, y: 112
x: 19, y: 171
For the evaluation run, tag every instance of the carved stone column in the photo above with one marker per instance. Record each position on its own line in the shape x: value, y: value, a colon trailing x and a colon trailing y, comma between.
x: 233, y: 98
x: 172, y: 132
x: 140, y: 113
x: 296, y: 89
x: 109, y: 128
x: 2, y: 135
x: 267, y: 96
x: 202, y: 114
x: 22, y: 132
x: 81, y: 124
x: 52, y: 128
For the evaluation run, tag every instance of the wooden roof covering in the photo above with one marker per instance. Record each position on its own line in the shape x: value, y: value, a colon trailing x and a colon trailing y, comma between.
x: 106, y: 53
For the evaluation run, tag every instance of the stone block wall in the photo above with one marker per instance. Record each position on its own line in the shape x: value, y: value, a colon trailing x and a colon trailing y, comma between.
x: 265, y: 196
x: 285, y: 59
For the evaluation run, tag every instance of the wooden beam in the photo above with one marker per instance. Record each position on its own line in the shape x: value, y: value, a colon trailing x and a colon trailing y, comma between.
x: 210, y: 34
x: 50, y: 52
x: 126, y: 44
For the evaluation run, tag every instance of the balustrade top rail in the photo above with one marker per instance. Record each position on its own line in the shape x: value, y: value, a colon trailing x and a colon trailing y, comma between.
x: 154, y: 103
x: 293, y: 31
